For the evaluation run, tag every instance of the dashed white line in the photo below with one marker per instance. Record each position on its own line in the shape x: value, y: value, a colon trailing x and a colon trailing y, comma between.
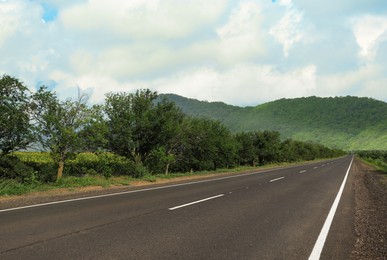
x: 318, y: 247
x: 280, y: 178
x: 315, y: 167
x: 195, y: 202
x: 303, y: 171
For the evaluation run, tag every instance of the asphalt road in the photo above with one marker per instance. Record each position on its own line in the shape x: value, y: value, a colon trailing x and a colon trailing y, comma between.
x: 276, y: 214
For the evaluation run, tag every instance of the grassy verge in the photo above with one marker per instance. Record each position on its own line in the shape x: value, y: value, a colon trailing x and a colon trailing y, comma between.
x: 380, y: 166
x: 12, y: 187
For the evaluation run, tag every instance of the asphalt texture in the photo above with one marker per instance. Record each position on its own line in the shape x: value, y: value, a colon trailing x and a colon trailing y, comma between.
x: 275, y: 214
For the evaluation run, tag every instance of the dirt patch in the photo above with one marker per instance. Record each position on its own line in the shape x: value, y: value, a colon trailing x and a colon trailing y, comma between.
x: 371, y: 212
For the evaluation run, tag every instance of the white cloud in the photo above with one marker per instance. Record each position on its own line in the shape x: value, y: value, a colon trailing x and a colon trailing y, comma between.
x: 369, y: 31
x: 240, y: 52
x: 287, y: 31
x: 241, y: 38
x: 15, y: 19
x: 242, y: 84
x: 369, y: 81
x: 141, y: 19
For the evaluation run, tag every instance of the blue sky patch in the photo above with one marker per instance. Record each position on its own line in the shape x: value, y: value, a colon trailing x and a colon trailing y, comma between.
x: 50, y: 13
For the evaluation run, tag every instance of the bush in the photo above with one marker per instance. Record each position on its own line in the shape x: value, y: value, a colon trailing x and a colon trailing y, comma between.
x: 12, y: 187
x: 11, y: 167
x: 103, y: 164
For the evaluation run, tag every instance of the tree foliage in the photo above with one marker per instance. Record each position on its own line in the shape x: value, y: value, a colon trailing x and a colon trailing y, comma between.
x: 58, y: 124
x: 350, y: 123
x: 15, y: 128
x: 131, y: 134
x: 142, y: 129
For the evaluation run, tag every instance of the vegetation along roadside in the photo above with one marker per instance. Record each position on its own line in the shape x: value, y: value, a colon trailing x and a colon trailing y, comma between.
x: 131, y: 135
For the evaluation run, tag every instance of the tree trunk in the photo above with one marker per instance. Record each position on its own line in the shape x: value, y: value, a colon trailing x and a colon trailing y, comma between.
x: 167, y: 169
x: 60, y: 170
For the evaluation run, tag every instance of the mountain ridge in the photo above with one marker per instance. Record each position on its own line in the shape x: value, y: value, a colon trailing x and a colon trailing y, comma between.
x: 351, y: 123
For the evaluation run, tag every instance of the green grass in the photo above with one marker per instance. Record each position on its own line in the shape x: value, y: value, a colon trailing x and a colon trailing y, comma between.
x: 12, y: 187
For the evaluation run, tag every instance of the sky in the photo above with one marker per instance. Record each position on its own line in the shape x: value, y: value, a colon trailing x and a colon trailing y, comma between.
x: 241, y: 52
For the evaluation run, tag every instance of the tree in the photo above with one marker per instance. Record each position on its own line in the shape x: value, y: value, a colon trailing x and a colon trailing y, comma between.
x: 15, y: 127
x: 268, y: 144
x: 247, y: 153
x: 204, y: 144
x: 93, y: 133
x: 58, y: 124
x: 167, y: 119
x: 142, y: 129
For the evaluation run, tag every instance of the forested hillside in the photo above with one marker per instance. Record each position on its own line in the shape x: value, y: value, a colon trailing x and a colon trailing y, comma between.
x: 350, y: 123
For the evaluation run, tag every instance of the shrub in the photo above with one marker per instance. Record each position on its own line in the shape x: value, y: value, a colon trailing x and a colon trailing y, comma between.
x: 11, y: 167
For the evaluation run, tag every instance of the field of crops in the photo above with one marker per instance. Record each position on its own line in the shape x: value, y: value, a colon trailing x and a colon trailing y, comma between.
x: 38, y: 157
x: 22, y: 165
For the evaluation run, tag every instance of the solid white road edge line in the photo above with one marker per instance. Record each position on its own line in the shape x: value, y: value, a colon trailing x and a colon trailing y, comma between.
x: 280, y: 178
x: 195, y: 202
x: 318, y: 247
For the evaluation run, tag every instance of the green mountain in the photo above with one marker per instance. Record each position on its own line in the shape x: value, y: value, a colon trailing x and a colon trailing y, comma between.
x: 350, y: 123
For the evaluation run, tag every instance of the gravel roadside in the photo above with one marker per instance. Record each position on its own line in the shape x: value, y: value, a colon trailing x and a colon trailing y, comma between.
x: 371, y: 212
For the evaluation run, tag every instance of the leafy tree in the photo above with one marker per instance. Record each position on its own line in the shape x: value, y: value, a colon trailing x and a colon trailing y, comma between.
x: 247, y: 152
x: 15, y: 128
x: 289, y: 151
x: 58, y: 124
x: 143, y: 129
x: 205, y: 144
x: 118, y: 109
x: 94, y: 132
x: 167, y: 119
x: 268, y: 145
x: 129, y: 119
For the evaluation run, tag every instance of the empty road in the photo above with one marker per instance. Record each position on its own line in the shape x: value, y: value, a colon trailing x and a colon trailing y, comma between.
x: 274, y: 214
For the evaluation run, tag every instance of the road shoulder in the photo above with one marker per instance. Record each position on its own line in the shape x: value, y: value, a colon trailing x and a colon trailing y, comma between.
x: 371, y: 212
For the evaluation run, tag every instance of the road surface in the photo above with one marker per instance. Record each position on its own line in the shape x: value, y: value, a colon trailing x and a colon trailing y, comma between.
x: 275, y: 214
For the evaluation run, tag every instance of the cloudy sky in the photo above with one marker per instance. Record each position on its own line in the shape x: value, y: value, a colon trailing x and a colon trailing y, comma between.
x: 242, y: 52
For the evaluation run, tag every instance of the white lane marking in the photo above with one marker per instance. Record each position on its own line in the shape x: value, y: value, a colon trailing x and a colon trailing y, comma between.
x: 303, y: 171
x: 318, y: 247
x: 280, y: 178
x: 142, y: 190
x: 195, y: 202
x: 315, y: 167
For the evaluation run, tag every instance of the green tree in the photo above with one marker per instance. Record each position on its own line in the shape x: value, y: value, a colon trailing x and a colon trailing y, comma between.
x: 142, y: 128
x: 204, y: 144
x: 93, y: 134
x: 167, y: 119
x: 247, y: 152
x: 15, y: 128
x: 58, y: 124
x: 268, y: 144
